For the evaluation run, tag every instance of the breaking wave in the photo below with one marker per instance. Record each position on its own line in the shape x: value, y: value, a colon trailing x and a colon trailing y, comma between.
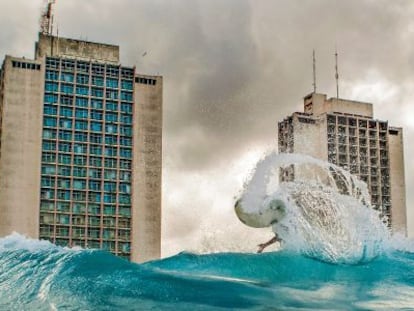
x: 36, y: 275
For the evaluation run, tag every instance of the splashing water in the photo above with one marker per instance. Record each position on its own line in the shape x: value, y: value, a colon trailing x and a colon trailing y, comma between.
x: 324, y: 212
x: 36, y: 275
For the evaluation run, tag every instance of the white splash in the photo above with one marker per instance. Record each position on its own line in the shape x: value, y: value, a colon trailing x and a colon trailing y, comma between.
x: 327, y: 211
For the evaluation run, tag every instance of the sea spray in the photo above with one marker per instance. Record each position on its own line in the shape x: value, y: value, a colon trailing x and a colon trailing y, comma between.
x: 327, y: 210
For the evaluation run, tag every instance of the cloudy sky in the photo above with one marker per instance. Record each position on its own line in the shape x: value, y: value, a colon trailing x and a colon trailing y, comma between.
x: 232, y: 70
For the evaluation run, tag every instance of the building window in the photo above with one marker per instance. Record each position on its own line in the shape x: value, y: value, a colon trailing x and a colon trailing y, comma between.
x: 126, y: 85
x: 49, y: 145
x: 82, y: 79
x: 126, y: 153
x: 97, y: 92
x: 81, y: 125
x: 95, y: 138
x: 49, y: 133
x: 65, y: 135
x: 126, y: 119
x: 127, y: 96
x: 66, y: 88
x: 96, y: 115
x: 51, y: 98
x: 127, y: 108
x: 94, y: 209
x: 81, y: 102
x: 64, y: 159
x: 96, y: 126
x: 111, y: 117
x: 111, y: 151
x: 81, y: 137
x: 94, y: 185
x: 50, y: 110
x: 126, y: 130
x: 52, y: 75
x: 111, y: 139
x: 110, y: 174
x: 51, y: 87
x: 82, y: 90
x: 95, y: 149
x: 97, y: 81
x: 65, y: 123
x: 110, y: 163
x: 79, y: 171
x: 96, y: 103
x: 111, y: 129
x: 110, y: 187
x: 112, y: 83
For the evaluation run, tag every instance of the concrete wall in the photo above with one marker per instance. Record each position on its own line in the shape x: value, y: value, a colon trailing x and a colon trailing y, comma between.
x: 147, y: 171
x: 21, y: 149
x: 90, y: 51
x: 317, y: 104
x: 397, y: 176
x: 310, y: 138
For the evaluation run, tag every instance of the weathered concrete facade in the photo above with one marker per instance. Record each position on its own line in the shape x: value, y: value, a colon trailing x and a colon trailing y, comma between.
x: 146, y: 223
x: 70, y: 48
x: 398, y: 199
x: 344, y: 133
x: 21, y: 128
x: 81, y: 149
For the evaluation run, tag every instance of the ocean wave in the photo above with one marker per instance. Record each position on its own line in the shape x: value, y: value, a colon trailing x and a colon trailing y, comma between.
x: 36, y: 275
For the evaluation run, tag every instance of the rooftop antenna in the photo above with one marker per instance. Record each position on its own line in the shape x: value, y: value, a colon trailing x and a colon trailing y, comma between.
x: 336, y: 73
x: 314, y: 71
x: 46, y: 24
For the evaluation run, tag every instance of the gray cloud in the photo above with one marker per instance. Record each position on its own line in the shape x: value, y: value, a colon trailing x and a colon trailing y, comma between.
x: 234, y: 68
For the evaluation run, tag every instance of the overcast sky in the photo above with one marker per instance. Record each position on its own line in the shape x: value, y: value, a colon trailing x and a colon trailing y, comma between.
x: 232, y: 69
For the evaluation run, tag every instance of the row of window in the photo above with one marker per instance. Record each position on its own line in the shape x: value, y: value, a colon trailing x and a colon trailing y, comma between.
x: 92, y: 233
x: 84, y: 102
x: 145, y: 81
x: 89, y: 244
x: 81, y: 184
x: 95, y: 173
x: 95, y: 138
x: 85, y: 79
x: 95, y: 126
x: 353, y: 122
x: 25, y: 65
x: 81, y: 208
x: 49, y: 157
x: 86, y: 91
x: 79, y: 148
x: 81, y: 220
x: 81, y: 113
x: 94, y: 197
x: 85, y: 67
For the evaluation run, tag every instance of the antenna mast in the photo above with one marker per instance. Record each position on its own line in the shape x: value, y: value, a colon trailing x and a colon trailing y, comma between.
x: 336, y: 74
x: 314, y: 72
x: 46, y: 24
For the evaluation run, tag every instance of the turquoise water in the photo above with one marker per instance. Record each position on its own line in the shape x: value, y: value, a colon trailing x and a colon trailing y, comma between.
x: 36, y: 275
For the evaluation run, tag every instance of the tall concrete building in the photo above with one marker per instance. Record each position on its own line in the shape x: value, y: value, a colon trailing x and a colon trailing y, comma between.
x: 80, y: 149
x: 345, y: 133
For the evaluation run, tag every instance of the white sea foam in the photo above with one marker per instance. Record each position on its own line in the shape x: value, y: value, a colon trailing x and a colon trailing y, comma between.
x: 328, y: 211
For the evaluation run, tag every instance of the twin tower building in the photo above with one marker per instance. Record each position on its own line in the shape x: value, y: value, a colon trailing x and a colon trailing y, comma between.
x: 81, y: 149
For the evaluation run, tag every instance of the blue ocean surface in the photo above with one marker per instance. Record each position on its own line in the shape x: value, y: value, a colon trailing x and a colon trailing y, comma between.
x: 36, y: 275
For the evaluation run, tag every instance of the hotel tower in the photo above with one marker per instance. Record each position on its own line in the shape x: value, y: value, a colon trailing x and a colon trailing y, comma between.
x: 345, y: 133
x: 80, y: 149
